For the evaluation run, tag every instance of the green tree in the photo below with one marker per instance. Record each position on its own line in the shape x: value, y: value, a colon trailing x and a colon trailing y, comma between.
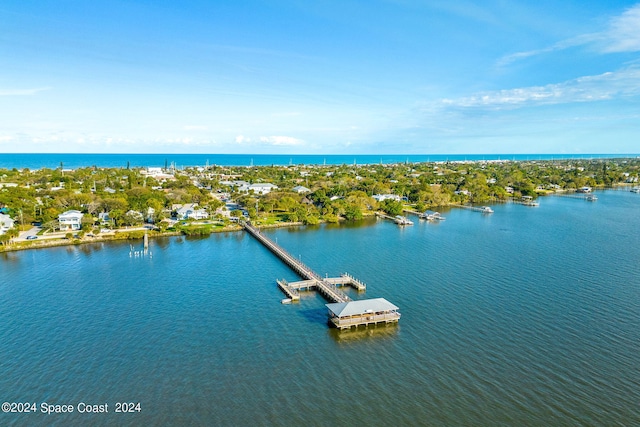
x: 391, y: 207
x: 352, y: 212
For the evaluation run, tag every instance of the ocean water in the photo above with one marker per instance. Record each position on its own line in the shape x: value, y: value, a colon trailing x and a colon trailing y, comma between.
x: 74, y: 160
x: 526, y: 317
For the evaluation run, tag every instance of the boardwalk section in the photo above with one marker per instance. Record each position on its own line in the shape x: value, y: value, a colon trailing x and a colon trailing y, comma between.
x: 343, y: 312
x: 398, y: 219
x: 587, y: 197
x: 328, y: 290
x: 481, y: 209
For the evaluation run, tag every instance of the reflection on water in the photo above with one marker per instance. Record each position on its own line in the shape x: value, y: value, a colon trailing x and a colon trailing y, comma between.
x: 371, y: 332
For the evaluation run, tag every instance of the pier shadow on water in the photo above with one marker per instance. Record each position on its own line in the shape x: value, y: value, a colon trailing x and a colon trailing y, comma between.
x: 362, y: 333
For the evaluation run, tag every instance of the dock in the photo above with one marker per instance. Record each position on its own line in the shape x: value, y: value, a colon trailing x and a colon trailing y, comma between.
x: 343, y: 312
x: 329, y: 291
x: 398, y: 219
x: 481, y: 209
x: 526, y: 201
x: 412, y: 212
x: 429, y: 215
x: 587, y: 197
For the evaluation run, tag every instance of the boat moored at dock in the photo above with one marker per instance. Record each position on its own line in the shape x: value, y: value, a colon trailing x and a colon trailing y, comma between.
x: 432, y: 216
x: 401, y: 220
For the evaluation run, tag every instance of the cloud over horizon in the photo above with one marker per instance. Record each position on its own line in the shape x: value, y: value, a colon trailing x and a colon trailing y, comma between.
x: 621, y: 35
x: 606, y: 86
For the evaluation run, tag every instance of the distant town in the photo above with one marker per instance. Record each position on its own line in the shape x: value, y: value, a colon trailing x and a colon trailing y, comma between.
x: 62, y: 206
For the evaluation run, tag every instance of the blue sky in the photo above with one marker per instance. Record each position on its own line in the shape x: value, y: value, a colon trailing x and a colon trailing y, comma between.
x: 332, y: 77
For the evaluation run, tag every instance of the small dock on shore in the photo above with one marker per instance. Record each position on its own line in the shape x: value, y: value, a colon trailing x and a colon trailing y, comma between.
x: 526, y: 201
x: 412, y: 212
x: 343, y: 312
x: 428, y: 215
x: 481, y: 209
x: 579, y: 196
x: 398, y: 219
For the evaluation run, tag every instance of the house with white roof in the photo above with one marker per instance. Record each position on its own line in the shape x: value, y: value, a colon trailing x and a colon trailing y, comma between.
x: 382, y: 197
x: 300, y: 189
x: 262, y: 188
x: 70, y: 220
x: 191, y: 211
x: 6, y: 222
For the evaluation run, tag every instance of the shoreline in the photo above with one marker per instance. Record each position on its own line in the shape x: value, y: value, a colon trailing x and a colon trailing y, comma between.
x: 110, y: 237
x: 113, y: 237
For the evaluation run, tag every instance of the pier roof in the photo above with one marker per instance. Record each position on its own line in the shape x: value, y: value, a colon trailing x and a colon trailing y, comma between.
x: 351, y: 308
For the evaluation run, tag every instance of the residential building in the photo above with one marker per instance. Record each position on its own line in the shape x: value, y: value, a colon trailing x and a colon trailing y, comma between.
x: 70, y: 220
x: 190, y: 211
x: 104, y: 218
x: 5, y: 223
x: 262, y: 188
x: 382, y: 197
x: 300, y: 189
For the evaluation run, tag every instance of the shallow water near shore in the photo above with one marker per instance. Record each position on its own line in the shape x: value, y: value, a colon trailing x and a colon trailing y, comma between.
x: 528, y: 316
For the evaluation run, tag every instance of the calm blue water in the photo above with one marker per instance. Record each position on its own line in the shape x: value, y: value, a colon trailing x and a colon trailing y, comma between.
x: 74, y: 161
x: 527, y: 317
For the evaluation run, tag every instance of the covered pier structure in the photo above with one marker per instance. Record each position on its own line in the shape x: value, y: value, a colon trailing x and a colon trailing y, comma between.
x: 346, y: 315
x: 373, y: 311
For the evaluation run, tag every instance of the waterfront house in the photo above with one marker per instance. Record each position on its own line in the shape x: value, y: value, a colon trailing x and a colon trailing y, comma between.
x: 150, y: 215
x: 104, y: 218
x: 70, y: 220
x: 190, y: 211
x: 6, y: 222
x: 382, y: 197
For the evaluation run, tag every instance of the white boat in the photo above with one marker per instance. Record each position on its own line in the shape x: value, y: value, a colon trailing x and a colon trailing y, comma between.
x: 432, y: 216
x: 591, y: 198
x: 400, y: 220
x: 486, y: 209
x: 635, y: 190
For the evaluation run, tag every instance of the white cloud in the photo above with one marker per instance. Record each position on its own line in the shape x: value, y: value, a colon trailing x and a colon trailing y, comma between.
x: 241, y: 139
x: 625, y: 82
x: 621, y: 35
x: 22, y: 92
x: 195, y: 127
x: 6, y: 138
x: 281, y: 140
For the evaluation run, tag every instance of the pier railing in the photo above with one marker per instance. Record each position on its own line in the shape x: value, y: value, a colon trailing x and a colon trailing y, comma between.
x: 325, y: 288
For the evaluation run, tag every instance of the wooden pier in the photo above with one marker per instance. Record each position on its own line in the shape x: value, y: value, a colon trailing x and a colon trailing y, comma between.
x: 343, y: 312
x: 410, y: 211
x: 482, y: 209
x: 588, y: 197
x: 399, y: 219
x: 526, y: 201
x: 328, y: 290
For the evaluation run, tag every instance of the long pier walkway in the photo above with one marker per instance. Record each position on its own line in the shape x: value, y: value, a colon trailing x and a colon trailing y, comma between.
x: 483, y: 209
x: 312, y: 279
x: 589, y: 197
